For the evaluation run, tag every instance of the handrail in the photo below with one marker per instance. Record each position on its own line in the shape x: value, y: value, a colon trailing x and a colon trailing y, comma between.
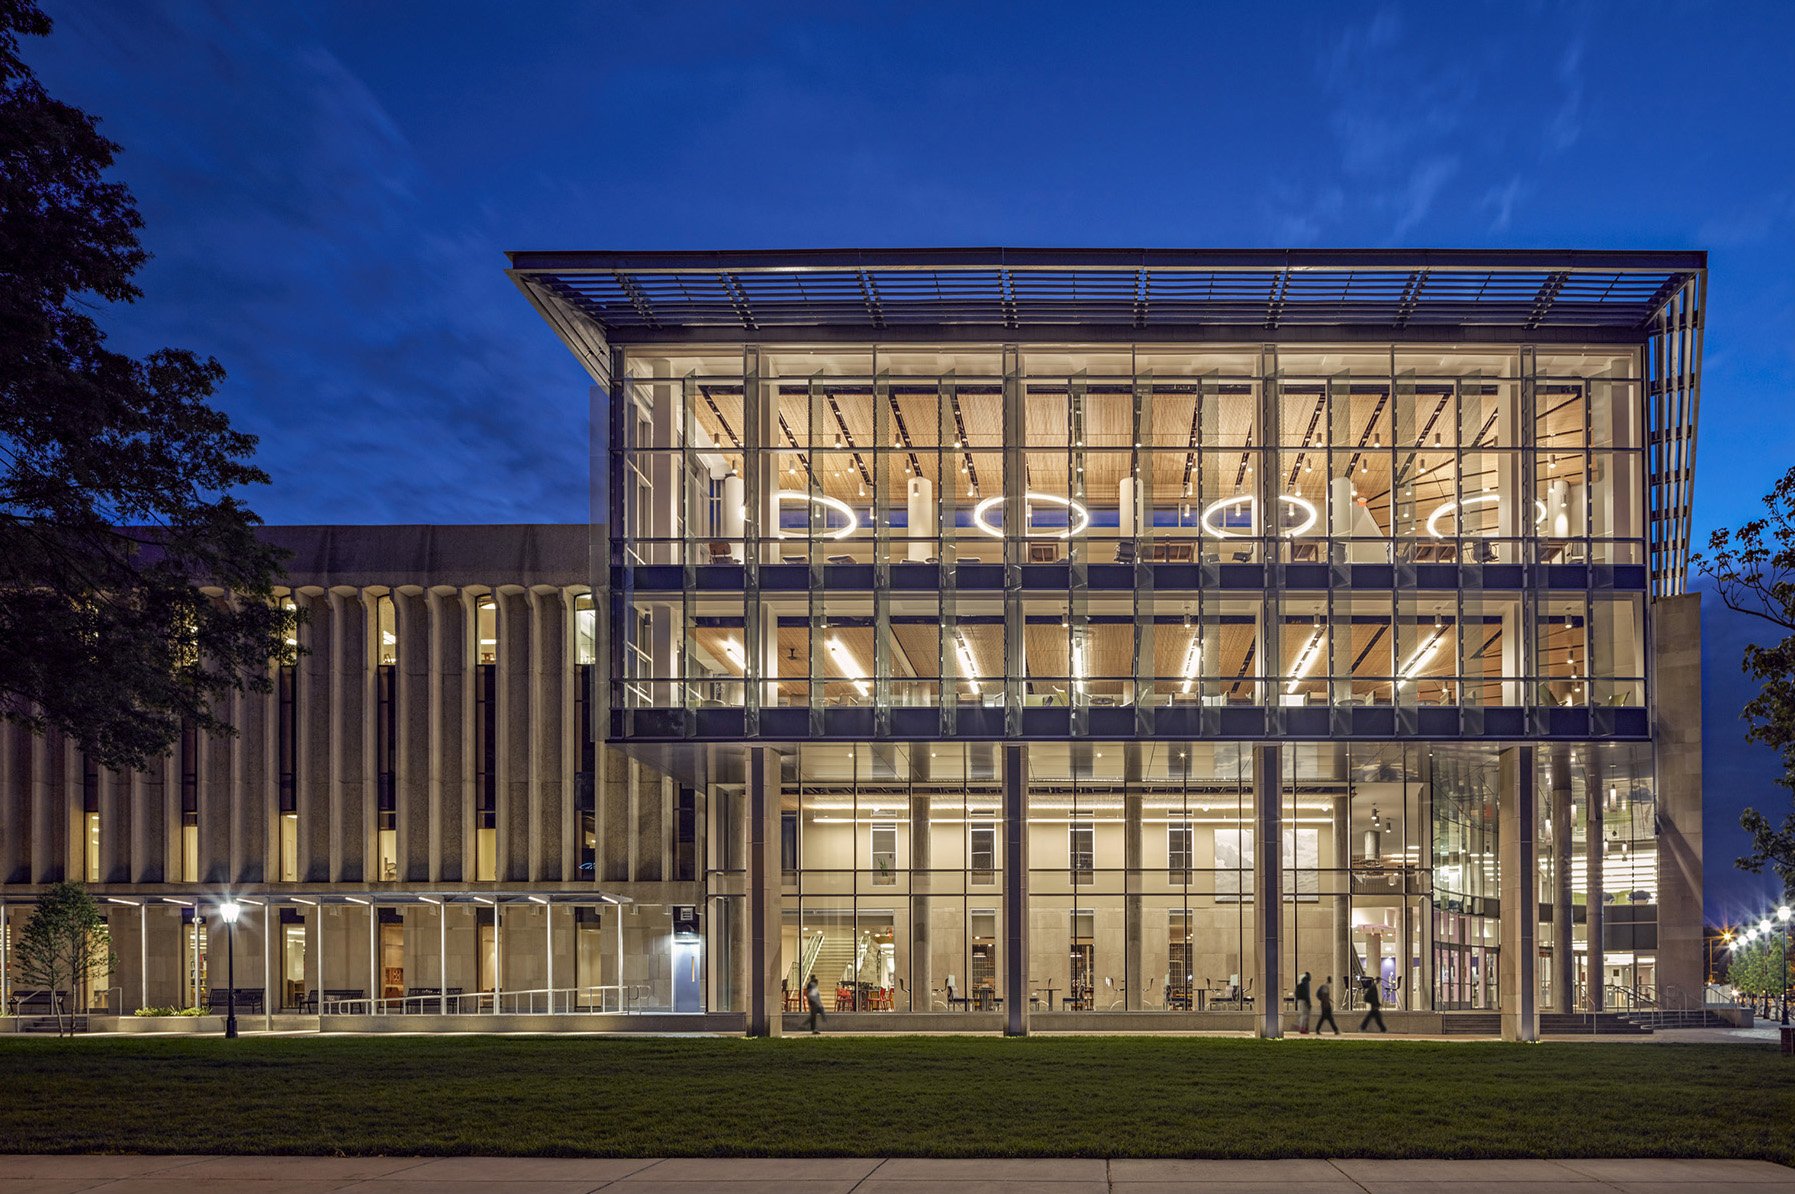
x: 482, y: 1002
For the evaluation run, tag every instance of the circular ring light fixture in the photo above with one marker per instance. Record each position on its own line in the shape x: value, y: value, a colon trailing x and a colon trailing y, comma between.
x: 1078, y: 518
x: 1305, y: 510
x: 828, y: 504
x: 1475, y: 501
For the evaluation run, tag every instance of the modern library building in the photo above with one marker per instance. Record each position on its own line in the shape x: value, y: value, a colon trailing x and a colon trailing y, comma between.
x: 1011, y: 640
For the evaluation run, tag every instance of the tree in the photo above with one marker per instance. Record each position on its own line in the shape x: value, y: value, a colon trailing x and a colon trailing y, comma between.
x: 1753, y: 568
x: 65, y: 946
x: 116, y: 475
x: 1759, y: 969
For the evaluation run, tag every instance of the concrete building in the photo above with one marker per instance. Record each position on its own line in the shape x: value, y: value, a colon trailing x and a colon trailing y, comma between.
x: 985, y: 633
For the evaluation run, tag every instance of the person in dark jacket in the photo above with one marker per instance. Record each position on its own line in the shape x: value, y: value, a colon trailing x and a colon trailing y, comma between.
x: 1374, y: 1004
x: 1324, y: 999
x: 1302, y: 1004
x: 813, y: 996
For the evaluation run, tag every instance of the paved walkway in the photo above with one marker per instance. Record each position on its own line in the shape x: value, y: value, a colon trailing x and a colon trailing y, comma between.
x: 466, y: 1175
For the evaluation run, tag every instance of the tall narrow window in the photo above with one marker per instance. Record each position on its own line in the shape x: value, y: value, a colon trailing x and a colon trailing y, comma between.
x: 884, y: 853
x: 189, y: 803
x: 287, y: 755
x: 1179, y: 848
x: 1082, y: 846
x: 981, y: 852
x: 685, y: 835
x: 788, y: 844
x: 386, y: 756
x: 90, y: 820
x: 585, y: 779
x: 486, y: 741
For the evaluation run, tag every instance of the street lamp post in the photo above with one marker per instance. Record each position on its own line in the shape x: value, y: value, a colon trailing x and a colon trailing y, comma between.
x: 1782, y: 917
x: 230, y: 910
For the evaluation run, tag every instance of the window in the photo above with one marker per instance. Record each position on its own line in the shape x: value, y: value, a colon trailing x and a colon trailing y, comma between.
x: 982, y: 852
x: 486, y: 776
x: 386, y: 786
x: 884, y: 853
x: 788, y: 844
x: 486, y: 631
x: 90, y: 821
x: 286, y: 762
x: 585, y: 779
x: 189, y: 803
x: 585, y: 630
x: 1082, y: 848
x: 1180, y: 841
x: 685, y: 835
x: 1180, y: 973
x: 386, y: 649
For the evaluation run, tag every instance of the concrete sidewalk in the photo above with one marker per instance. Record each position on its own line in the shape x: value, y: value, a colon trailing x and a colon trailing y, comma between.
x: 455, y: 1175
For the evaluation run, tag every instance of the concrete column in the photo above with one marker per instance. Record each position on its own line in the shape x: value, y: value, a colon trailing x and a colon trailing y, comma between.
x: 115, y: 826
x: 48, y: 837
x: 350, y: 799
x: 764, y: 1003
x: 550, y: 843
x: 1518, y: 863
x: 1340, y: 965
x: 313, y: 683
x: 1595, y: 899
x: 15, y: 803
x: 1268, y: 888
x: 1677, y: 725
x: 1564, y: 935
x: 450, y: 782
x: 217, y: 796
x: 922, y: 854
x: 516, y: 646
x: 149, y: 826
x: 1132, y: 968
x: 1015, y: 887
x: 412, y: 717
x: 255, y: 794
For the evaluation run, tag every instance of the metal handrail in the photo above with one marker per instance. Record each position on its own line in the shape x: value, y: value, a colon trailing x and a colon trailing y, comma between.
x: 483, y: 1002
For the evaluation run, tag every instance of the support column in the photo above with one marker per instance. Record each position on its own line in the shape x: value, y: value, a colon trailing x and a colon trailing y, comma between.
x: 1341, y: 953
x: 550, y: 843
x: 922, y: 955
x: 451, y: 773
x: 413, y: 761
x: 1518, y: 862
x: 1564, y: 928
x: 1015, y: 888
x: 1595, y: 896
x: 1676, y: 698
x: 350, y: 820
x: 765, y: 1007
x: 442, y: 956
x: 1132, y: 965
x: 1268, y: 888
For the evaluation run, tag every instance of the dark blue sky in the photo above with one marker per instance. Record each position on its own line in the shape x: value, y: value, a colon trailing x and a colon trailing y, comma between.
x: 329, y: 190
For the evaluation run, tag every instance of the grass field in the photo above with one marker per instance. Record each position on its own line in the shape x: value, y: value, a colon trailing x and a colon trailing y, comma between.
x: 899, y: 1096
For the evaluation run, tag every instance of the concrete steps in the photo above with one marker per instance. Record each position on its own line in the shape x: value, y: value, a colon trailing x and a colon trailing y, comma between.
x: 1586, y: 1024
x: 46, y: 1024
x: 1470, y: 1024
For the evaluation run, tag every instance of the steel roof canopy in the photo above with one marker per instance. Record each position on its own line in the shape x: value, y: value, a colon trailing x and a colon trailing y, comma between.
x: 1111, y: 293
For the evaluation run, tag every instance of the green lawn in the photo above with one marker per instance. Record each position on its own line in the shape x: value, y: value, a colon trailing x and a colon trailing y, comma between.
x: 904, y: 1096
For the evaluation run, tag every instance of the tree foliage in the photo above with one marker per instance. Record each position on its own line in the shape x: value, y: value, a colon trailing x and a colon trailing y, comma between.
x: 1760, y: 968
x: 116, y: 474
x: 1753, y: 569
x: 64, y: 948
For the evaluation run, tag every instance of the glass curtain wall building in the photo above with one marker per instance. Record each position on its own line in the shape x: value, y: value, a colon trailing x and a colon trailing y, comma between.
x: 1012, y: 640
x: 1034, y: 614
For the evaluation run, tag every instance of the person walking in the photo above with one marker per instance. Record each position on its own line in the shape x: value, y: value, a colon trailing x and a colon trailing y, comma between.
x: 813, y: 996
x: 1324, y: 999
x: 1373, y: 1007
x: 1302, y: 1004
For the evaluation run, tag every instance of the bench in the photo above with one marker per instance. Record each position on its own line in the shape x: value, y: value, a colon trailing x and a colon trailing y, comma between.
x: 310, y: 1004
x: 249, y: 999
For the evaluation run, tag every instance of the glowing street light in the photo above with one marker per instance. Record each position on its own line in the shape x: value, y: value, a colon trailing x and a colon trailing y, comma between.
x: 230, y: 910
